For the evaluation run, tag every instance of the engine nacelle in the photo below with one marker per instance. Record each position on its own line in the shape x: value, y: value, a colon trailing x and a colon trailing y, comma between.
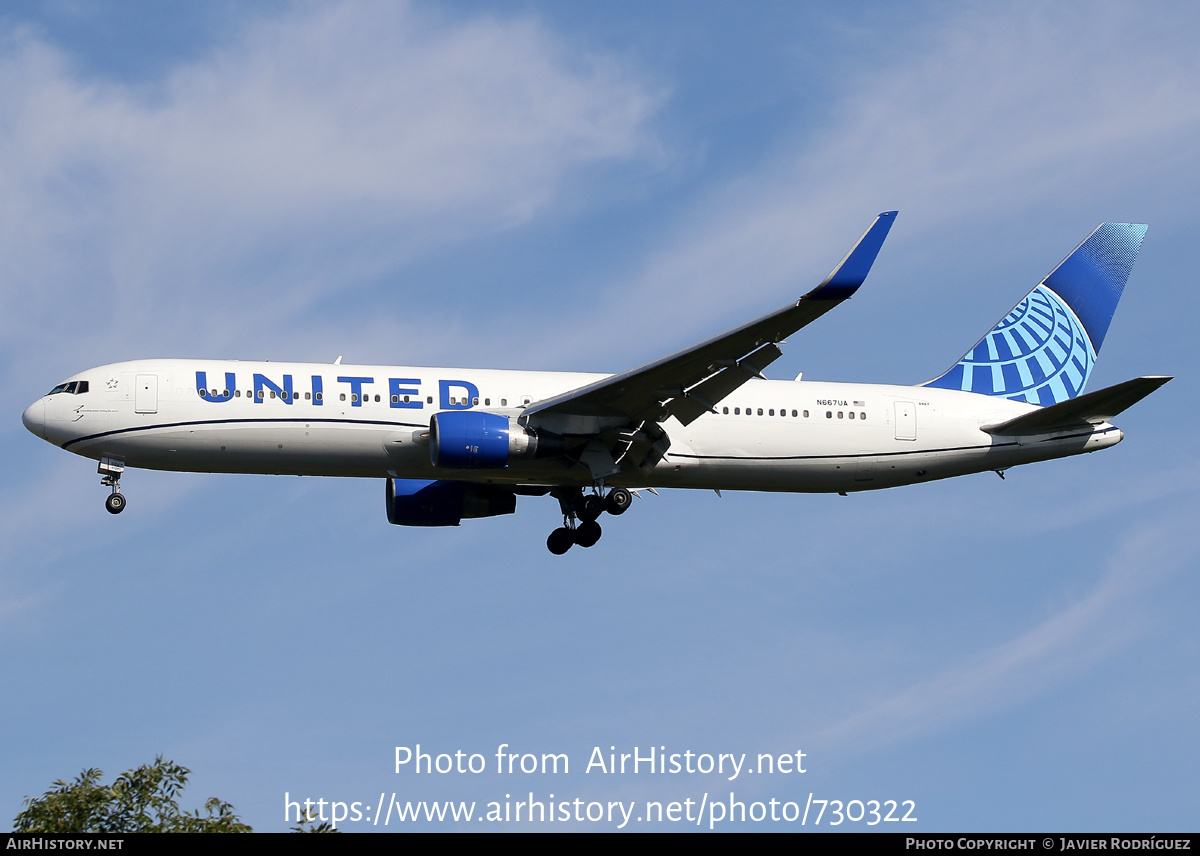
x: 473, y: 439
x: 417, y: 502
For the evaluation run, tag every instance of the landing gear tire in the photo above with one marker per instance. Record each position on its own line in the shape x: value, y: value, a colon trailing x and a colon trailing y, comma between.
x: 115, y: 503
x: 560, y: 540
x: 618, y: 501
x: 587, y: 533
x: 591, y: 507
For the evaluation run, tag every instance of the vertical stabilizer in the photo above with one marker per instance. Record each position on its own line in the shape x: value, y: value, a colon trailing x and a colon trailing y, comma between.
x: 1043, y: 350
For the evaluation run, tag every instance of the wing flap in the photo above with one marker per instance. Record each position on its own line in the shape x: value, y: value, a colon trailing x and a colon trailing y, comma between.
x: 704, y: 396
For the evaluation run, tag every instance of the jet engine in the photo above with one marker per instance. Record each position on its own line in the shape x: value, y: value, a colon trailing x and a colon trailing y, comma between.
x: 473, y: 439
x: 417, y: 502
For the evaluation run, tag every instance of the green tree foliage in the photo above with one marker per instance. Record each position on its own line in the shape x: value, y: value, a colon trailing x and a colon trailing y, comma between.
x: 308, y: 823
x: 140, y: 800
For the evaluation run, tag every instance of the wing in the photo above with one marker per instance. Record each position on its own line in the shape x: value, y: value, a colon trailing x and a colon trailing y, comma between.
x: 691, y: 382
x: 688, y: 383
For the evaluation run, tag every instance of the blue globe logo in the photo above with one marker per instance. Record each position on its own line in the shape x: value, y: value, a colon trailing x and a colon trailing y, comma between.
x: 1038, y: 353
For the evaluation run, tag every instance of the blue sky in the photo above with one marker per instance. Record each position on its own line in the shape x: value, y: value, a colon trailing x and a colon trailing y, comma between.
x: 589, y: 187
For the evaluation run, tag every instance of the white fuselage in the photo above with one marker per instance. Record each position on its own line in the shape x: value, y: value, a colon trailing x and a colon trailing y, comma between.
x: 368, y: 421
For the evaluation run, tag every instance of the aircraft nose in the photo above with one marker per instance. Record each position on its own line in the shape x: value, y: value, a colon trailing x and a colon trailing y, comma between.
x: 34, y: 418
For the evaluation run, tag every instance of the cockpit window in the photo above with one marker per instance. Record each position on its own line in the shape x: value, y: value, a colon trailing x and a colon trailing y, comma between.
x: 75, y: 387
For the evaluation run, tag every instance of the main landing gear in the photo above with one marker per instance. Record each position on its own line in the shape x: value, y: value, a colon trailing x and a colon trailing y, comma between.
x: 111, y: 469
x: 579, y: 516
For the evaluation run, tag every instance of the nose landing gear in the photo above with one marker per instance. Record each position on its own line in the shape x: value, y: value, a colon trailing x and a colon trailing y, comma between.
x: 111, y: 469
x: 579, y: 517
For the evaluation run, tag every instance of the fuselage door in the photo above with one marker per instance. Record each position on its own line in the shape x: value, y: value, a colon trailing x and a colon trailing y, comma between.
x: 906, y: 420
x: 145, y: 394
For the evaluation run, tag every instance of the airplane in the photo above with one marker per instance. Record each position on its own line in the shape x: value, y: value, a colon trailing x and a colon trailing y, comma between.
x: 454, y: 444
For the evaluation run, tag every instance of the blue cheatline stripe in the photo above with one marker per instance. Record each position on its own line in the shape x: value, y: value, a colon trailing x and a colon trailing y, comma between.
x: 157, y: 426
x: 907, y: 453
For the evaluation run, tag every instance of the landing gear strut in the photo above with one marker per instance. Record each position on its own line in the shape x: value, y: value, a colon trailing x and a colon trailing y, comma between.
x: 579, y: 516
x: 111, y: 469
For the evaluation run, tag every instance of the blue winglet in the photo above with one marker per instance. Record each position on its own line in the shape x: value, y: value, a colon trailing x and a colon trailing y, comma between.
x: 1043, y: 350
x: 853, y: 270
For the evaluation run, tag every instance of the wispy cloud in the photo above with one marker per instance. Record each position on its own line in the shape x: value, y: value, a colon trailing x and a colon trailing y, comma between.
x: 997, y: 110
x: 1072, y: 641
x: 252, y: 172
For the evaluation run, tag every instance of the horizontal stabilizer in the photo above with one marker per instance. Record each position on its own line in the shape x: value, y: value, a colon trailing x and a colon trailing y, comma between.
x: 1091, y: 408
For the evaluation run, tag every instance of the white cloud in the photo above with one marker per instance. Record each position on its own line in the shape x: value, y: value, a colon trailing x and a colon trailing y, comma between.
x: 252, y: 170
x: 996, y: 112
x: 1106, y: 619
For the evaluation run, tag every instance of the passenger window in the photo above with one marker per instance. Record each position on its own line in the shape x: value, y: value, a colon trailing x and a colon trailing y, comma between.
x: 504, y: 402
x: 342, y: 396
x: 377, y: 396
x: 395, y: 399
x: 760, y: 411
x: 429, y: 399
x: 475, y: 402
x: 353, y: 397
x: 839, y: 414
x: 320, y: 396
x: 487, y: 402
x: 737, y: 411
x: 772, y: 413
x: 862, y: 416
x: 851, y: 414
x: 307, y: 396
x: 406, y: 399
x: 828, y: 414
x: 237, y: 393
x: 725, y: 410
